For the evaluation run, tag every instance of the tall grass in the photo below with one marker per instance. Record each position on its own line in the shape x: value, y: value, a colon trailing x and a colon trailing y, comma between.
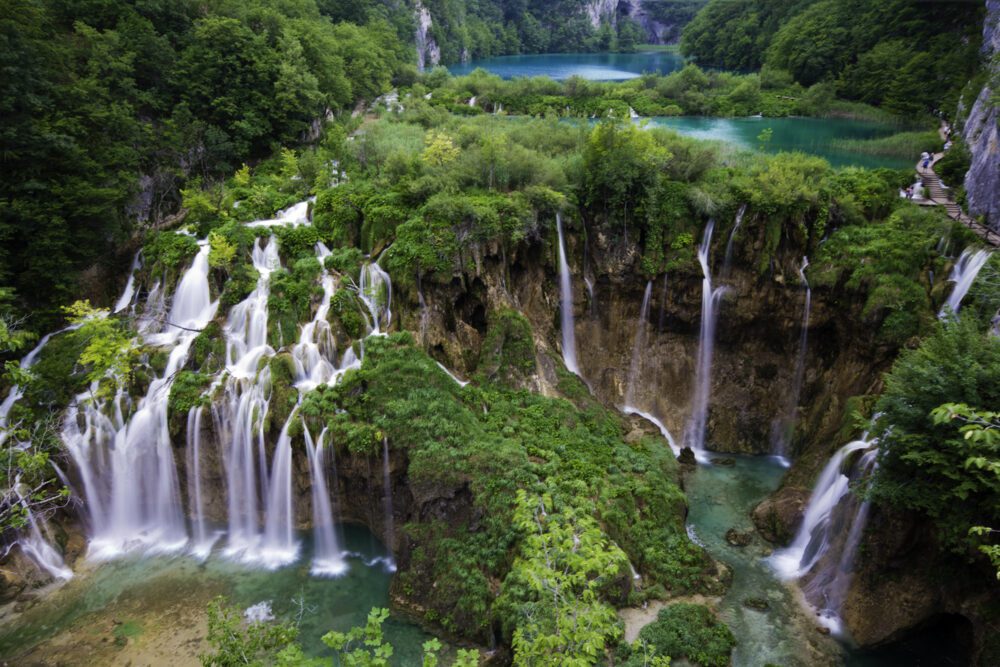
x: 900, y: 145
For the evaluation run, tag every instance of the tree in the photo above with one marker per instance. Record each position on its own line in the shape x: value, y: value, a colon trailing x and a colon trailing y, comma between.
x: 440, y: 149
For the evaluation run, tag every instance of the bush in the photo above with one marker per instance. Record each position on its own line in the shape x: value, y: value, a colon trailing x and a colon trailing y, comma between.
x: 690, y: 631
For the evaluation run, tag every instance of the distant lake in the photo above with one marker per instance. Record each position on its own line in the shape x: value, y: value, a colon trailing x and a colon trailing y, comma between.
x: 593, y: 66
x: 815, y: 136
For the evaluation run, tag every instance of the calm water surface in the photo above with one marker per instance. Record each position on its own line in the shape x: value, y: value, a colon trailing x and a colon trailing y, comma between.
x: 816, y: 136
x: 317, y: 604
x: 593, y: 66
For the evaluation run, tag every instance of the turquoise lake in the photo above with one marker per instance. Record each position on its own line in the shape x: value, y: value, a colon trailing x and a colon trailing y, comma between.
x: 592, y: 66
x: 816, y: 136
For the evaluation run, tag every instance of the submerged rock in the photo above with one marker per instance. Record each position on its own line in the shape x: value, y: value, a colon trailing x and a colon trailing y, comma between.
x: 738, y: 538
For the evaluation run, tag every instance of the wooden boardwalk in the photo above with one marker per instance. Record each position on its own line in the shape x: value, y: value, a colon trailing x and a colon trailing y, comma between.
x: 937, y: 194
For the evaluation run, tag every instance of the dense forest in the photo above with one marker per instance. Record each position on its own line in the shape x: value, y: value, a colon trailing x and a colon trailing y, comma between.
x: 909, y: 57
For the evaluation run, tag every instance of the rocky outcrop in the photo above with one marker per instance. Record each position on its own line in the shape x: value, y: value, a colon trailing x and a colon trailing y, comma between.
x: 640, y: 11
x: 982, y: 131
x: 428, y: 51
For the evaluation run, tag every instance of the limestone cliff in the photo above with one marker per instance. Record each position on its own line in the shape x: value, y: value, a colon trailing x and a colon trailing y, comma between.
x: 982, y: 130
x: 428, y: 51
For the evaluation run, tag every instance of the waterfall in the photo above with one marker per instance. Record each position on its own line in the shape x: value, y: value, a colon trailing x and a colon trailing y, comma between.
x: 638, y: 348
x: 663, y: 306
x: 37, y: 545
x: 828, y: 588
x: 460, y: 383
x: 472, y: 101
x: 328, y: 560
x: 728, y: 262
x: 375, y: 292
x: 566, y: 304
x: 963, y: 275
x: 425, y: 314
x: 316, y: 347
x: 784, y: 427
x: 390, y: 528
x: 695, y: 435
x: 125, y: 300
x: 279, y: 546
x: 202, y: 543
x: 16, y: 392
x: 674, y: 447
x: 590, y: 296
x: 128, y: 468
x: 240, y: 417
x: 814, y: 536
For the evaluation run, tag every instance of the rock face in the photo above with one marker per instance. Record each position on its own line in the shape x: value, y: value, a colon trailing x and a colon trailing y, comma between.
x: 640, y: 11
x: 428, y: 51
x: 982, y: 183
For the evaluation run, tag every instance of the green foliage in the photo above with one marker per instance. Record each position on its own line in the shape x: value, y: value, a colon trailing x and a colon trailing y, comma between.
x: 888, y: 261
x: 110, y: 351
x: 347, y: 314
x: 169, y: 251
x: 689, y: 631
x: 554, y: 586
x: 926, y: 463
x: 290, y: 299
x: 955, y: 164
x: 235, y: 644
x: 495, y: 441
x: 187, y: 391
x: 508, y: 352
x: 910, y: 58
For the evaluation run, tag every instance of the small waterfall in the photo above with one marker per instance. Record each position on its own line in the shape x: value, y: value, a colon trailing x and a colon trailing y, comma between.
x: 472, y: 101
x: 316, y: 347
x: 638, y: 348
x: 590, y: 296
x: 37, y: 545
x: 125, y: 300
x: 663, y: 306
x: 566, y: 304
x: 328, y: 560
x: 963, y: 275
x: 784, y: 427
x: 728, y: 262
x: 632, y: 114
x: 16, y: 392
x: 202, y: 543
x: 460, y: 383
x: 674, y: 447
x: 279, y: 546
x: 695, y: 435
x: 815, y: 535
x: 425, y: 314
x: 390, y: 528
x: 375, y: 292
x: 828, y: 587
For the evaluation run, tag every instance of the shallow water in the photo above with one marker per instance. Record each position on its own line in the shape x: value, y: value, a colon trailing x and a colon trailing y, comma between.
x: 592, y: 66
x: 146, y: 592
x: 815, y: 136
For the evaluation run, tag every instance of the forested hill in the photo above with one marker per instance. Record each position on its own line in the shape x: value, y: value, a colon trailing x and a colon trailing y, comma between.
x: 905, y: 55
x: 110, y: 107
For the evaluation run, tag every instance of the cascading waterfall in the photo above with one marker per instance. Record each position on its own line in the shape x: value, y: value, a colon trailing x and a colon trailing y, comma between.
x: 566, y: 305
x: 695, y: 435
x: 127, y: 467
x: 728, y: 261
x: 239, y: 419
x: 328, y: 560
x: 638, y: 347
x: 963, y: 275
x: 827, y: 589
x: 816, y: 534
x: 783, y: 427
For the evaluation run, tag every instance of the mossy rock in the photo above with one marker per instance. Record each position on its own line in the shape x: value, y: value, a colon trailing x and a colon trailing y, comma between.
x: 284, y: 395
x: 508, y: 353
x: 347, y: 320
x: 208, y: 351
x: 186, y: 392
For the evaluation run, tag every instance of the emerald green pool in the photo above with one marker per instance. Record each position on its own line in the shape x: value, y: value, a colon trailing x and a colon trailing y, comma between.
x: 816, y: 136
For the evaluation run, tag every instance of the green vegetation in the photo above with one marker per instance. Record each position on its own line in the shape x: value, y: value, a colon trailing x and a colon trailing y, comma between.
x: 907, y: 57
x: 906, y: 145
x: 97, y: 94
x: 501, y: 445
x: 928, y: 465
x: 684, y: 630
